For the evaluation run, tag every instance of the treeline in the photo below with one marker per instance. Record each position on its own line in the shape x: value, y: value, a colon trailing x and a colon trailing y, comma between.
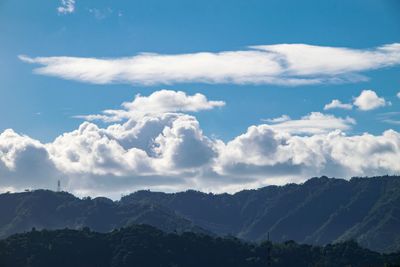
x: 146, y: 246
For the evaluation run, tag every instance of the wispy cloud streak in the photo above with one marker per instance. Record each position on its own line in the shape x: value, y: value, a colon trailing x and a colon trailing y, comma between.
x: 282, y: 64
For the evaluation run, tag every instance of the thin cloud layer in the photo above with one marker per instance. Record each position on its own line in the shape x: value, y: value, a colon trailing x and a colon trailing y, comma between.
x: 314, y: 123
x: 169, y: 151
x: 282, y: 64
x: 392, y: 117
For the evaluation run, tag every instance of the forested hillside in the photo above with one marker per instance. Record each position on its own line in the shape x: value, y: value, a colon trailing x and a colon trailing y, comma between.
x: 320, y: 211
x: 147, y: 246
x: 45, y: 209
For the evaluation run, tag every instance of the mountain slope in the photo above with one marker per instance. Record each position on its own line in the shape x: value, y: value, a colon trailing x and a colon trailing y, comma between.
x: 320, y: 211
x: 44, y: 209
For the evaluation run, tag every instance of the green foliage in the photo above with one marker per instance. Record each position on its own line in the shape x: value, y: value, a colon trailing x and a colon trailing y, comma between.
x: 143, y: 245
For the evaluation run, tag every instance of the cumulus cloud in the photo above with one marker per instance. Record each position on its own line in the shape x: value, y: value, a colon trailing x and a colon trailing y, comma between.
x: 162, y: 101
x: 369, y: 100
x: 337, y: 104
x: 109, y: 160
x: 169, y: 151
x: 164, y: 143
x: 183, y: 145
x: 282, y: 64
x: 265, y: 152
x: 24, y: 162
x: 398, y: 95
x: 66, y: 7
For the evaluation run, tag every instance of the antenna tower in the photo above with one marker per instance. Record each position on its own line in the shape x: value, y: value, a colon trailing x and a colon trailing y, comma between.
x: 58, y: 186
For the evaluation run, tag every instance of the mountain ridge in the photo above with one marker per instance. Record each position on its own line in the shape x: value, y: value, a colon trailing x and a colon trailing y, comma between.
x: 319, y: 211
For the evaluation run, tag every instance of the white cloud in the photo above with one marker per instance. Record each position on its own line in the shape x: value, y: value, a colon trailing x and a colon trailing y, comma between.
x: 156, y: 144
x: 183, y: 145
x: 314, y: 123
x: 278, y: 119
x: 24, y: 162
x: 398, y: 95
x: 91, y: 149
x: 169, y: 151
x: 337, y: 104
x: 67, y: 6
x: 282, y: 64
x: 263, y: 152
x: 369, y: 100
x: 162, y: 101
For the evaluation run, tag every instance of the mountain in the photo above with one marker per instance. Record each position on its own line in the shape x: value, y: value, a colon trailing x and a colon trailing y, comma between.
x: 44, y: 209
x: 319, y: 212
x: 147, y: 246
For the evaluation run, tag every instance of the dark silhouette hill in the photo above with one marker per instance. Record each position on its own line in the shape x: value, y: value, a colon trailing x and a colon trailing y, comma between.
x: 146, y: 246
x: 319, y: 212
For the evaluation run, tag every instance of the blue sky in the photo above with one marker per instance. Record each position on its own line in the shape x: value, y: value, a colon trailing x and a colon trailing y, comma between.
x: 44, y: 106
x: 182, y: 27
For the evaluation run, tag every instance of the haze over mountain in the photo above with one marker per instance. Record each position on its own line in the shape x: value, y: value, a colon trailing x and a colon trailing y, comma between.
x: 320, y: 211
